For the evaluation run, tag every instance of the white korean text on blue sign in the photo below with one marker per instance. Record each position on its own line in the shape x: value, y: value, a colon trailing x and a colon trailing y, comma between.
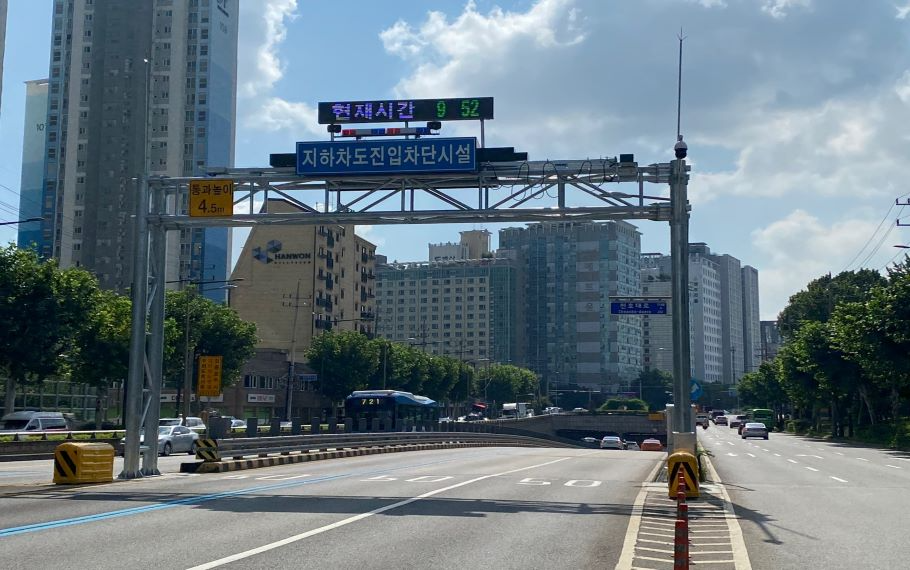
x: 638, y: 308
x: 387, y: 156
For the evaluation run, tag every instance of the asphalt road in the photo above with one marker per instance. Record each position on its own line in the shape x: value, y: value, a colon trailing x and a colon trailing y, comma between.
x: 480, y: 507
x: 805, y: 503
x: 41, y: 472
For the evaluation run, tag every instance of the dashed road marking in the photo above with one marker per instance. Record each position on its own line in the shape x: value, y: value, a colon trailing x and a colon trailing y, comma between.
x: 792, y: 461
x: 777, y: 454
x: 861, y: 459
x: 894, y: 466
x: 750, y: 455
x: 839, y: 479
x: 811, y: 468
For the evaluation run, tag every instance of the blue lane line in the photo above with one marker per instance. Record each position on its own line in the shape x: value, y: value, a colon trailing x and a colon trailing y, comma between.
x: 13, y: 531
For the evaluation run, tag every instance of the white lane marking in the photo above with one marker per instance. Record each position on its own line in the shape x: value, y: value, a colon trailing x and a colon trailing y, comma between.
x: 811, y: 468
x: 893, y: 466
x: 804, y: 455
x: 737, y: 543
x: 763, y: 449
x: 777, y: 454
x: 792, y: 461
x: 902, y: 459
x: 730, y: 443
x: 838, y: 479
x: 750, y: 455
x: 732, y: 454
x: 281, y: 477
x: 361, y: 516
x: 838, y: 452
x: 628, y: 545
x: 861, y: 459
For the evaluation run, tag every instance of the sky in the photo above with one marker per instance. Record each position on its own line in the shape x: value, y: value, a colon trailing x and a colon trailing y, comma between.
x: 795, y: 111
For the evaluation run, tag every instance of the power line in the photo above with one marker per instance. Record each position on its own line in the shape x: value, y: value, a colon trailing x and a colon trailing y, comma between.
x: 868, y: 241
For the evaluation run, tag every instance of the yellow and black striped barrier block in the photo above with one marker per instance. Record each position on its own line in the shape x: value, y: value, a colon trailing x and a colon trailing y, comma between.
x: 207, y: 450
x: 83, y: 463
x: 685, y: 463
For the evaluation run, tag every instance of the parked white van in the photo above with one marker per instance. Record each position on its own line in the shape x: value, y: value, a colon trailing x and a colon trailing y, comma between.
x: 33, y: 421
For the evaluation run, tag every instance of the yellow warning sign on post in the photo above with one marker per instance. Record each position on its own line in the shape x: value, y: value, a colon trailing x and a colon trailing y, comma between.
x: 211, y: 198
x: 209, y: 376
x: 682, y: 462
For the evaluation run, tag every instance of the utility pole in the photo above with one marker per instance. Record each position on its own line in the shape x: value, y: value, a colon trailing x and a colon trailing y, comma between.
x: 291, y: 365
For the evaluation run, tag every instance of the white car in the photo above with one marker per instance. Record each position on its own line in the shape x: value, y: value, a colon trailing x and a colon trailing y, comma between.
x: 611, y: 442
x: 632, y: 446
x: 173, y: 439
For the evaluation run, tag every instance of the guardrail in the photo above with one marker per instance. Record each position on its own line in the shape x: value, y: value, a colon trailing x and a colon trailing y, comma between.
x: 262, y: 446
x: 21, y: 436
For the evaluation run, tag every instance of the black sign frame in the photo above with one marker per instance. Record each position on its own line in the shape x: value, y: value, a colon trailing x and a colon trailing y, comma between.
x: 404, y: 110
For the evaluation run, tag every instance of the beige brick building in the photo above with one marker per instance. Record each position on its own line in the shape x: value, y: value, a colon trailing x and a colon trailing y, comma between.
x: 320, y: 277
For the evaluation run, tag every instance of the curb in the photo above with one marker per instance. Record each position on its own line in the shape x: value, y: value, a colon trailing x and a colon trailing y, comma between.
x: 241, y: 464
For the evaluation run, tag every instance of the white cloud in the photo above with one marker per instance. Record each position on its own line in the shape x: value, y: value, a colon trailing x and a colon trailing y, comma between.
x: 779, y: 8
x: 800, y: 247
x: 903, y: 11
x: 274, y: 114
x: 263, y: 29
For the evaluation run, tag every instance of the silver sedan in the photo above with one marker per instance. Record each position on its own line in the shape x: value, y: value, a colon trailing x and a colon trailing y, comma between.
x: 173, y: 439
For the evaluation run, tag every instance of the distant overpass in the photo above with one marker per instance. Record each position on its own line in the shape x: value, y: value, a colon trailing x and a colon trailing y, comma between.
x: 574, y: 426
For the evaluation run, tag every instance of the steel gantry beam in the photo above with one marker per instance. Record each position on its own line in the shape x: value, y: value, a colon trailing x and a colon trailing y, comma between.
x: 531, y: 191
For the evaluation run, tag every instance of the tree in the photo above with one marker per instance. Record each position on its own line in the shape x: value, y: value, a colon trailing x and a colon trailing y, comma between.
x: 818, y: 301
x: 211, y: 328
x: 655, y: 384
x: 41, y: 310
x: 346, y: 361
x: 630, y: 404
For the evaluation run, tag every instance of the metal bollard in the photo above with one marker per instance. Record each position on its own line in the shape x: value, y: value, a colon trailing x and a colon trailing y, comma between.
x: 252, y: 427
x: 316, y: 425
x: 296, y: 426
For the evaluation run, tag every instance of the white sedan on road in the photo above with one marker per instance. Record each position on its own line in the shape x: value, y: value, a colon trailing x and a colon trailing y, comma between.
x: 173, y: 439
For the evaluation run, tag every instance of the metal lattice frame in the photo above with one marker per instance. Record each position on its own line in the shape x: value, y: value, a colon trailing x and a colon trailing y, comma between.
x: 536, y: 191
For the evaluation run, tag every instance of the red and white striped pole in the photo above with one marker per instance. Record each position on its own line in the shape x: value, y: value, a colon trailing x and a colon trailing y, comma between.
x: 681, y: 536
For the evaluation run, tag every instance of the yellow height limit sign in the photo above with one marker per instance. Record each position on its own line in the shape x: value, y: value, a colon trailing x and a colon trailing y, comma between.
x: 209, y: 376
x: 211, y: 198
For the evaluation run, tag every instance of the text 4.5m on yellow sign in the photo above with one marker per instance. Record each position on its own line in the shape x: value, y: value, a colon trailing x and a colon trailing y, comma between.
x: 211, y: 198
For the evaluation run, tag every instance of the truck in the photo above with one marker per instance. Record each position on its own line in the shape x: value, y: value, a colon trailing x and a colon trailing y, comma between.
x: 517, y: 410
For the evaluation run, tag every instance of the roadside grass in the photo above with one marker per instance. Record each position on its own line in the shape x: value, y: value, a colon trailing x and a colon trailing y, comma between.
x: 884, y: 435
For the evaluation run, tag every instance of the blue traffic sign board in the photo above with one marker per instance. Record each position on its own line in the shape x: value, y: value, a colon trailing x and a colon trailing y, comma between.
x: 638, y: 308
x: 695, y: 390
x: 387, y: 156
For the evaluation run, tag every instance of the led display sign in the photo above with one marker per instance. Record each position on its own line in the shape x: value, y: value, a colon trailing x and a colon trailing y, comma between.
x: 457, y: 109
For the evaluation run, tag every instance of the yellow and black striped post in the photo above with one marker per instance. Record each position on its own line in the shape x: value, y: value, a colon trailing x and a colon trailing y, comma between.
x: 207, y: 450
x: 83, y: 463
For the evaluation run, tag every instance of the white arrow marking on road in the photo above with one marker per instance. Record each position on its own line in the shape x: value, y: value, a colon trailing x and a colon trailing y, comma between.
x: 803, y: 455
x: 894, y: 466
x: 838, y: 479
x: 750, y: 455
x: 811, y: 468
x: 792, y: 461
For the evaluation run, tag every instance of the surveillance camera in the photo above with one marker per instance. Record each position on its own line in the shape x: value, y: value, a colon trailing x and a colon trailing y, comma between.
x: 680, y: 148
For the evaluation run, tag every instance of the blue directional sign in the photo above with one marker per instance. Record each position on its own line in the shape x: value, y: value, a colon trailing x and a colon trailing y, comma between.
x: 695, y: 390
x: 638, y: 307
x: 319, y: 158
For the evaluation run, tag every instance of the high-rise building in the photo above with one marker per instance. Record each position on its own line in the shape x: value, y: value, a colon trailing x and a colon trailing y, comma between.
x: 704, y: 317
x: 135, y: 87
x: 770, y: 340
x: 3, y: 5
x: 32, y: 161
x: 466, y: 309
x: 751, y: 320
x: 474, y: 244
x: 729, y: 270
x: 570, y: 271
x: 295, y: 283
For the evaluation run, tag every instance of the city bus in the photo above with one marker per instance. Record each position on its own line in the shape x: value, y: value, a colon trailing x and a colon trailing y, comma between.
x: 763, y: 415
x: 401, y: 408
